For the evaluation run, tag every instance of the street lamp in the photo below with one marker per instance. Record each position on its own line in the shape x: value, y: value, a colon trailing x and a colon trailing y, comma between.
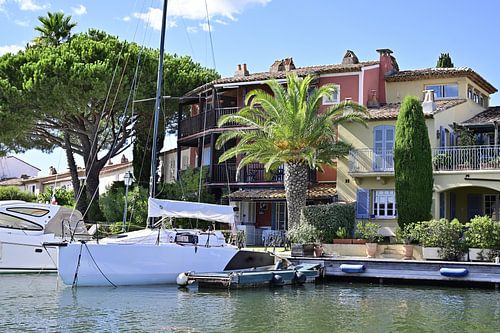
x: 128, y: 178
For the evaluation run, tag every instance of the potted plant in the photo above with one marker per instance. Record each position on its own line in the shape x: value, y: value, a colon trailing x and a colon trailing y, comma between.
x: 441, y: 239
x: 304, y: 237
x: 482, y: 237
x: 407, y: 236
x: 369, y: 231
x: 341, y: 235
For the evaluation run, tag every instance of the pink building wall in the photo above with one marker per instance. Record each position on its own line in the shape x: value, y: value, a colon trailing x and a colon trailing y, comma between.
x: 370, y: 83
x: 349, y: 86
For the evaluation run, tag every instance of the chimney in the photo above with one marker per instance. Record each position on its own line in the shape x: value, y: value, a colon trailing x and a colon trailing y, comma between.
x: 428, y: 105
x: 241, y: 70
x: 124, y: 159
x: 277, y: 66
x: 52, y: 171
x: 350, y: 58
x: 288, y: 64
x: 387, y: 66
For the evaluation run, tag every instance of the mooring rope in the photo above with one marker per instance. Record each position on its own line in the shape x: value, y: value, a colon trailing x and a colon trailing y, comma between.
x: 95, y: 263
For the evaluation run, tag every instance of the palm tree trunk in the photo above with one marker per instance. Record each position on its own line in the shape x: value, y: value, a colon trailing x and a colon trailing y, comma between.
x: 296, y: 179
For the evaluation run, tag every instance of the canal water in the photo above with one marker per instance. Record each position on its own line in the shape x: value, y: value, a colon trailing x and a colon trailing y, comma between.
x: 40, y: 303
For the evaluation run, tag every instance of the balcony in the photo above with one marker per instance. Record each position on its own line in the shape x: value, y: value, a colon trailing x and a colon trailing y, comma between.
x: 252, y: 173
x: 205, y: 120
x: 368, y: 162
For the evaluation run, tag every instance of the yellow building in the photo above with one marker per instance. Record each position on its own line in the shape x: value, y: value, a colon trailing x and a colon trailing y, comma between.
x: 466, y: 177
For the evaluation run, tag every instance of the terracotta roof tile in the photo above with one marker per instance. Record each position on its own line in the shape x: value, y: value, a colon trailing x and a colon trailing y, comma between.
x: 300, y: 71
x: 322, y: 191
x: 432, y: 73
x: 489, y: 116
x: 12, y: 182
x: 390, y: 111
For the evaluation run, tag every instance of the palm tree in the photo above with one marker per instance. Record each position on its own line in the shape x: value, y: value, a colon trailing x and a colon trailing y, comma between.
x: 287, y: 128
x: 55, y: 29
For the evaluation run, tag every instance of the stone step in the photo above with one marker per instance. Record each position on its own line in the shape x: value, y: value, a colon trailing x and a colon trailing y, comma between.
x: 391, y: 256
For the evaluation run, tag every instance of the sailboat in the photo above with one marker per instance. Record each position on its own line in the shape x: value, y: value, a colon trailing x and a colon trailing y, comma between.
x: 157, y: 255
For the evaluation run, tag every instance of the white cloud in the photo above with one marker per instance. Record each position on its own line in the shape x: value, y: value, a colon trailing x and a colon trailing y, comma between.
x: 204, y: 27
x: 10, y: 49
x: 29, y: 5
x: 153, y: 18
x: 126, y: 18
x: 195, y: 10
x: 22, y: 23
x: 79, y: 10
x: 192, y: 29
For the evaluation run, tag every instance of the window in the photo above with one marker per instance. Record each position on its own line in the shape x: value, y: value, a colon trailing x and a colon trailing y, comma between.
x: 491, y: 206
x: 205, y: 160
x: 12, y: 222
x: 334, y: 98
x: 384, y: 204
x: 442, y: 91
x: 38, y: 212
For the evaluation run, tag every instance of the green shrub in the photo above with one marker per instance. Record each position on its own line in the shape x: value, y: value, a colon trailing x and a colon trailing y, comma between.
x: 328, y: 219
x: 447, y: 235
x: 113, y: 202
x: 62, y: 196
x: 303, y: 233
x: 407, y: 234
x: 368, y: 231
x: 14, y: 193
x: 480, y: 232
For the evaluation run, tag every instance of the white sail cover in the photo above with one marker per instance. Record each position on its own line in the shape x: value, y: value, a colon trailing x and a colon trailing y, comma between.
x: 186, y: 209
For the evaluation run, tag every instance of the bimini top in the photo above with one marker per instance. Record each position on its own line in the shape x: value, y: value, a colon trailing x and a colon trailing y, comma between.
x: 186, y: 209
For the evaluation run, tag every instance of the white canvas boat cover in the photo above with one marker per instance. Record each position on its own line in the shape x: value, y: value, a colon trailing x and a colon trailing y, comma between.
x: 186, y: 209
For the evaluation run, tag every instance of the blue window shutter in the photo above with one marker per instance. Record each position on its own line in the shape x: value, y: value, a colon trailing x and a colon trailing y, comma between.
x: 452, y: 138
x: 362, y: 204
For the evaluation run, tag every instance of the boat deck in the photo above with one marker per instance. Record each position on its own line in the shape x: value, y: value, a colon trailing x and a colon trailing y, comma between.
x: 306, y: 272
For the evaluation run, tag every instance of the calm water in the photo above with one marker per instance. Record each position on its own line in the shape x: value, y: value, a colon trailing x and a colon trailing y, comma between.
x: 31, y: 303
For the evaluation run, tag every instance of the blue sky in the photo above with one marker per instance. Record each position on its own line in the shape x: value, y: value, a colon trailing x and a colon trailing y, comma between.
x: 257, y: 32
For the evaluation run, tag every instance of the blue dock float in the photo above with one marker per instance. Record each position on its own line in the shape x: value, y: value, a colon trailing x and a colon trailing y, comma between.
x: 297, y: 275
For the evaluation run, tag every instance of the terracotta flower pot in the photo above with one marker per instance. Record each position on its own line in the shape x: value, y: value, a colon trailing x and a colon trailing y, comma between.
x: 371, y: 250
x: 408, y: 252
x: 359, y: 241
x: 342, y: 241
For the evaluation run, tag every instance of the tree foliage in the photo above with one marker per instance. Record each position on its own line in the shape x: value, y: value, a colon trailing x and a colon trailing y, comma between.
x: 55, y: 28
x: 287, y: 128
x: 187, y: 187
x: 78, y: 95
x: 444, y: 61
x: 412, y: 164
x: 14, y: 193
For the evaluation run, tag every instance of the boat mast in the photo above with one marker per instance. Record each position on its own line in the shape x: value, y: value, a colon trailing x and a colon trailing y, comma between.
x: 152, y: 178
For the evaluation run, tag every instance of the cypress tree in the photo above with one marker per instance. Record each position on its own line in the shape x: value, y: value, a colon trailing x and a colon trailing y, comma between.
x: 444, y: 61
x: 412, y: 164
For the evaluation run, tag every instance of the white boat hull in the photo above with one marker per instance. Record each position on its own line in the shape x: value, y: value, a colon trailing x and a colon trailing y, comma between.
x: 137, y: 264
x: 26, y: 253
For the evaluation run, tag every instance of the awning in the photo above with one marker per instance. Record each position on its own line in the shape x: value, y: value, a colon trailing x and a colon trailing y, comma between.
x: 317, y: 192
x: 186, y: 209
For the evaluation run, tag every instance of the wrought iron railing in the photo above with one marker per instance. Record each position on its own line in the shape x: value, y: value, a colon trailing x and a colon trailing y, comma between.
x: 204, y: 121
x: 251, y: 173
x: 453, y: 158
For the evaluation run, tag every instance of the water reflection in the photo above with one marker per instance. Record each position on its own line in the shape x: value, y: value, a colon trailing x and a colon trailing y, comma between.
x: 39, y: 303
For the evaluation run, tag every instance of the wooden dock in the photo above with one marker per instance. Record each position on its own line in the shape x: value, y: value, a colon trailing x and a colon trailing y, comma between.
x: 407, y: 271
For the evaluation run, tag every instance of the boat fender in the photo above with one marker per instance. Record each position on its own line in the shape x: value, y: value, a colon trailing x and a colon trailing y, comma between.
x: 453, y: 272
x: 299, y: 278
x: 352, y: 268
x: 277, y: 280
x: 182, y: 280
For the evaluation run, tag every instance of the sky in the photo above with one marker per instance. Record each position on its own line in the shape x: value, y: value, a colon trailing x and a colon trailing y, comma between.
x: 257, y: 32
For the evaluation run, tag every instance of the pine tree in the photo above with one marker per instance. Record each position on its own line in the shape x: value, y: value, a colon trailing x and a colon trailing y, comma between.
x: 413, y: 164
x: 444, y: 61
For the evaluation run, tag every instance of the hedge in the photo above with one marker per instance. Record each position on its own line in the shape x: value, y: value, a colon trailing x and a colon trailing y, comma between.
x: 14, y: 193
x: 329, y: 218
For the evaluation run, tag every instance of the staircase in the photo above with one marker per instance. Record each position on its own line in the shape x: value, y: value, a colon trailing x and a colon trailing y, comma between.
x: 392, y: 252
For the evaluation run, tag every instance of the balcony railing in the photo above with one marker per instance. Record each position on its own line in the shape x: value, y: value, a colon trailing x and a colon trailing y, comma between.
x: 466, y: 158
x: 205, y: 120
x: 443, y: 159
x: 370, y: 160
x: 252, y: 173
